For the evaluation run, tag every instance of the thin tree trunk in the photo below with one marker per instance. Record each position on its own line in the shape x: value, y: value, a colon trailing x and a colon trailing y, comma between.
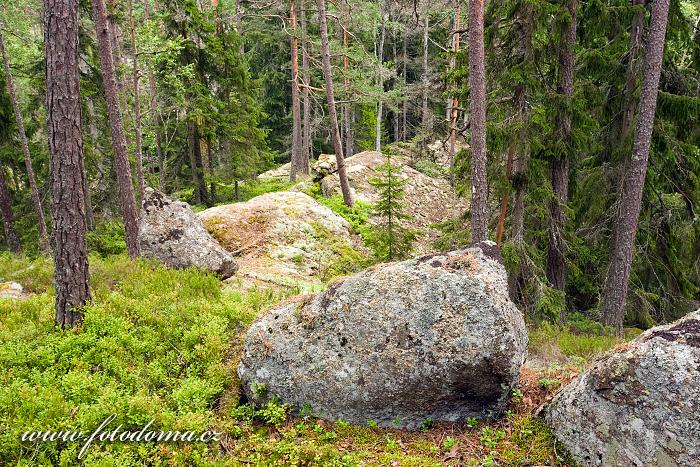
x: 306, y: 128
x: 617, y: 280
x: 8, y: 218
x: 121, y: 159
x: 380, y: 79
x: 404, y: 113
x: 632, y: 69
x: 328, y: 76
x: 138, y: 150
x: 71, y: 276
x: 556, y: 260
x: 477, y: 111
x: 162, y: 169
x: 201, y: 196
x: 43, y: 235
x: 506, y: 196
x: 296, y: 162
x: 454, y: 106
x: 426, y: 78
x: 347, y: 118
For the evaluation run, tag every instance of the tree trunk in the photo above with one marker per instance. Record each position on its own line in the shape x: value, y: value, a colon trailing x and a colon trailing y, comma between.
x: 380, y: 79
x: 556, y: 259
x: 632, y: 69
x: 404, y: 113
x: 201, y: 196
x: 43, y: 235
x: 328, y: 76
x: 296, y: 162
x: 453, y: 108
x: 306, y: 132
x: 425, y: 122
x: 477, y: 111
x: 71, y: 276
x: 138, y: 150
x: 395, y: 112
x: 121, y: 159
x: 162, y: 169
x: 8, y: 219
x: 617, y: 280
x: 347, y: 115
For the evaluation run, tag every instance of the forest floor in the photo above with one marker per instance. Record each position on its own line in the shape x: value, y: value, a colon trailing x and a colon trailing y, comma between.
x: 164, y: 344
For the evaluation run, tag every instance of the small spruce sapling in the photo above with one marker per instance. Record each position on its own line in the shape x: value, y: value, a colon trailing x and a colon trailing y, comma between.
x: 389, y: 239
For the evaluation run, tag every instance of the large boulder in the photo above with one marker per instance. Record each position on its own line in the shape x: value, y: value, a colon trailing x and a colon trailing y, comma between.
x: 429, y: 200
x: 434, y: 338
x: 173, y: 234
x: 637, y: 405
x: 283, y: 238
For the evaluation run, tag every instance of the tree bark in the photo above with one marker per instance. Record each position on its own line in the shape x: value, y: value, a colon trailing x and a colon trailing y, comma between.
x: 328, y: 77
x: 296, y: 162
x: 404, y: 113
x: 43, y: 235
x: 347, y: 112
x: 162, y: 168
x: 632, y: 69
x: 121, y: 159
x: 477, y: 111
x: 138, y: 137
x: 71, y: 276
x: 8, y: 218
x: 201, y: 196
x: 556, y: 260
x: 617, y: 281
x: 453, y: 101
x: 380, y: 79
x: 425, y: 121
x: 306, y: 128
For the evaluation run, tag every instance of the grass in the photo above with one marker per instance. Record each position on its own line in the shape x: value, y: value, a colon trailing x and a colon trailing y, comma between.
x: 163, y: 344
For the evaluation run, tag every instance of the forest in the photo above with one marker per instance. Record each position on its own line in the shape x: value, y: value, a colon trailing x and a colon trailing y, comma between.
x: 350, y: 232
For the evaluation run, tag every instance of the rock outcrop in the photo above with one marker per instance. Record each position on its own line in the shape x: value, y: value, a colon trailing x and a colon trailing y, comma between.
x: 173, y: 234
x: 434, y: 338
x: 283, y: 238
x: 429, y: 200
x: 637, y: 405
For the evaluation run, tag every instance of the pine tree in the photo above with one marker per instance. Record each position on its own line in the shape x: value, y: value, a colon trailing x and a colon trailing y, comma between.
x: 389, y: 239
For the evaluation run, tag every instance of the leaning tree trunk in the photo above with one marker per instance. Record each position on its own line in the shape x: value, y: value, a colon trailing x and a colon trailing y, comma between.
x: 138, y: 150
x: 121, y: 159
x: 43, y: 235
x: 556, y: 265
x: 71, y: 276
x: 306, y: 129
x: 617, y: 281
x: 296, y: 164
x: 328, y: 77
x: 477, y: 111
x: 8, y: 219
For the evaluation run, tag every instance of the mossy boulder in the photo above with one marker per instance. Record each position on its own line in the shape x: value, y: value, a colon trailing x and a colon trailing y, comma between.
x: 638, y: 404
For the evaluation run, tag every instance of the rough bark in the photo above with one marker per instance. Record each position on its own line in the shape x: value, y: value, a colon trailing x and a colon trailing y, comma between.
x: 453, y: 100
x: 425, y: 122
x: 630, y: 202
x: 43, y: 235
x: 296, y: 162
x: 121, y: 159
x: 477, y: 111
x: 628, y: 104
x: 138, y: 137
x: 306, y: 75
x: 380, y: 79
x: 8, y: 218
x: 66, y: 158
x: 328, y: 77
x: 556, y: 265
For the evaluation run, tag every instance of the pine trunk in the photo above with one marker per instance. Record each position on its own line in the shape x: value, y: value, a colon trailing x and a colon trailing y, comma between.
x: 380, y: 79
x: 617, y: 280
x: 43, y: 235
x: 121, y: 159
x: 296, y: 162
x: 453, y: 100
x: 556, y: 249
x: 425, y: 122
x: 477, y: 111
x: 328, y: 77
x: 201, y: 196
x: 347, y: 111
x: 306, y: 128
x: 71, y: 276
x: 632, y: 69
x: 404, y: 109
x: 138, y: 137
x: 162, y: 168
x: 8, y: 218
